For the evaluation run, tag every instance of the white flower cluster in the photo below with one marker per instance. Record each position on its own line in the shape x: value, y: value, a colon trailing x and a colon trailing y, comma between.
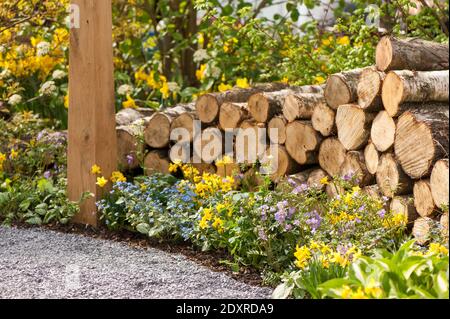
x: 59, y: 74
x: 6, y: 73
x: 173, y: 86
x: 43, y: 48
x: 15, y: 99
x: 125, y: 89
x: 48, y: 88
x: 200, y: 55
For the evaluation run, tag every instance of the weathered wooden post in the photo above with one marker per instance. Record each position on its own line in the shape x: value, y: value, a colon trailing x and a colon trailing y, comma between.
x: 92, y: 137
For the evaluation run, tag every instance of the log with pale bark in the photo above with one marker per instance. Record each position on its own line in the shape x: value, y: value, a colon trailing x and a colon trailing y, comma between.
x: 411, y: 54
x: 157, y: 131
x: 422, y: 230
x: 302, y: 142
x: 439, y: 183
x: 341, y: 88
x: 315, y: 177
x: 423, y: 200
x: 265, y: 105
x: 421, y: 139
x: 404, y: 205
x: 369, y: 89
x: 391, y: 179
x: 354, y: 165
x: 371, y: 158
x: 382, y: 133
x: 130, y: 115
x: 185, y: 121
x: 401, y: 87
x: 353, y: 126
x: 301, y: 106
x: 331, y: 155
x: 208, y: 105
x: 157, y: 161
x: 302, y: 176
x: 323, y: 119
x: 233, y: 114
x: 276, y: 129
x: 278, y: 162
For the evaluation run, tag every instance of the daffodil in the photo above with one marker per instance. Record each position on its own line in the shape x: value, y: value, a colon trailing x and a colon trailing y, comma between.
x: 200, y: 73
x: 129, y: 103
x: 165, y: 90
x: 101, y: 181
x: 224, y: 87
x: 242, y: 83
x: 302, y: 255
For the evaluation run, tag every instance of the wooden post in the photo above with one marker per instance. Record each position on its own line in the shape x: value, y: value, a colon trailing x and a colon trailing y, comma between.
x: 92, y: 136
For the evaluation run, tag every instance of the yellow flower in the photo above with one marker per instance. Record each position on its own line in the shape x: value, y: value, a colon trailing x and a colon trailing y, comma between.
x: 14, y: 154
x: 284, y: 80
x: 343, y: 40
x: 346, y: 292
x: 220, y: 207
x: 224, y: 87
x: 242, y: 83
x: 129, y: 103
x: 101, y: 181
x: 140, y: 75
x: 373, y: 289
x: 66, y: 101
x: 319, y: 79
x: 337, y: 258
x: 117, y: 177
x: 95, y: 169
x: 437, y: 249
x: 218, y: 223
x: 165, y: 90
x: 173, y: 167
x: 302, y: 254
x: 356, y: 189
x: 324, y: 180
x: 203, y: 223
x: 2, y: 157
x: 359, y: 294
x: 200, y: 73
x: 207, y: 213
x: 326, y: 42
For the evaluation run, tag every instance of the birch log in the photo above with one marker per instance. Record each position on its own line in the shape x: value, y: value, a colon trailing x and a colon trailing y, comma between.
x: 390, y: 177
x: 341, y: 88
x: 439, y: 183
x: 331, y: 156
x: 382, y: 133
x: 302, y: 142
x: 369, y: 90
x: 423, y: 200
x: 353, y: 126
x: 323, y: 119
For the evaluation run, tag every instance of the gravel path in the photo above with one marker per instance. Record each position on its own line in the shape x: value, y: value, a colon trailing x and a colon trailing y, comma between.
x: 38, y: 263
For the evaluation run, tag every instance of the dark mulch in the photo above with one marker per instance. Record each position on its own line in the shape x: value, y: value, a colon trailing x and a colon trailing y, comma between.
x: 211, y: 259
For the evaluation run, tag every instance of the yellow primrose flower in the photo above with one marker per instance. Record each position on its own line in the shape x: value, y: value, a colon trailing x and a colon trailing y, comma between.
x: 95, y: 169
x: 324, y: 181
x: 117, y: 177
x: 165, y: 90
x: 326, y: 42
x: 129, y: 103
x: 224, y: 87
x: 242, y: 83
x: 14, y: 154
x: 345, y: 40
x: 200, y: 73
x: 101, y: 181
x: 437, y: 249
x: 319, y: 79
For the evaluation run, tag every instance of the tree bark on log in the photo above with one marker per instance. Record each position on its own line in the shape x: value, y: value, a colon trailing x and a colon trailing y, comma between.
x: 341, y: 88
x: 411, y: 54
x: 301, y: 106
x: 302, y: 177
x: 208, y: 105
x: 404, y: 205
x: 423, y: 200
x: 353, y: 126
x: 439, y: 183
x: 265, y: 105
x: 369, y: 90
x: 323, y: 120
x: 390, y: 177
x: 421, y: 139
x: 400, y: 87
x: 371, y: 157
x: 331, y: 156
x: 382, y: 132
x: 354, y: 165
x: 302, y: 142
x: 277, y: 130
x: 157, y: 161
x: 279, y: 164
x: 129, y: 115
x: 233, y: 114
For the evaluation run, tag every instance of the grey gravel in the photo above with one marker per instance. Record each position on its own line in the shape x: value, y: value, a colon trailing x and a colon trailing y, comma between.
x: 39, y: 263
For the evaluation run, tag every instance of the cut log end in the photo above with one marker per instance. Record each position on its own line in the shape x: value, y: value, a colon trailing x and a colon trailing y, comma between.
x: 392, y: 93
x: 390, y: 177
x: 259, y: 107
x: 422, y: 230
x: 302, y: 142
x: 331, y: 156
x: 423, y: 201
x: 157, y: 161
x: 439, y: 183
x: 369, y: 90
x: 371, y: 158
x: 354, y: 166
x: 232, y: 114
x: 207, y: 108
x: 383, y: 54
x: 277, y: 130
x: 404, y: 205
x: 157, y: 131
x: 279, y: 162
x: 337, y: 92
x: 382, y: 132
x: 353, y: 126
x: 323, y: 119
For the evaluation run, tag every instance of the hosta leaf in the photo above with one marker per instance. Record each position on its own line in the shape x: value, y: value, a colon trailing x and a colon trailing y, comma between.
x: 143, y: 228
x: 36, y: 220
x: 282, y: 291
